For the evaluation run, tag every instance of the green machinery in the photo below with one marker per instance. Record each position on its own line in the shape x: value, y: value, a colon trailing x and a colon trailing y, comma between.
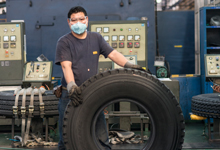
x: 12, y: 52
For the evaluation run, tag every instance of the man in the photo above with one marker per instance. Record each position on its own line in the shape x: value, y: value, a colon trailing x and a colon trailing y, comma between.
x: 78, y: 53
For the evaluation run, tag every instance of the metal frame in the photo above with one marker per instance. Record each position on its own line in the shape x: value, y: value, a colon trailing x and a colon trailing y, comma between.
x: 13, y: 129
x: 210, y: 134
x: 203, y: 45
x: 127, y: 114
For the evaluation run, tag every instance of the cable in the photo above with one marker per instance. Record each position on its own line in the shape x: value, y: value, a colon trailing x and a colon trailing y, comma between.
x: 105, y: 111
x: 47, y: 86
x: 215, y: 87
x: 168, y: 68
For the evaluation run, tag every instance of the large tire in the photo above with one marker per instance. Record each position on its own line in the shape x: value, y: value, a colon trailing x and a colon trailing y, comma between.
x: 207, y: 105
x: 7, y: 100
x: 134, y: 86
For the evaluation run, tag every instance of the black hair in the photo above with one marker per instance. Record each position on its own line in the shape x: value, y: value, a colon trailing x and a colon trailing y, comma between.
x: 76, y: 9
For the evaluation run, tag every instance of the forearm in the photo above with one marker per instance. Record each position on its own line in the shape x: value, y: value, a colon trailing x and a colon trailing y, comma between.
x: 118, y: 58
x: 67, y: 71
x: 68, y: 75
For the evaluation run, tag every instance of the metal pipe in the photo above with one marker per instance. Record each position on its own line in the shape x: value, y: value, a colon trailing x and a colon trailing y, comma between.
x: 142, y: 134
x: 12, y: 130
x: 46, y: 130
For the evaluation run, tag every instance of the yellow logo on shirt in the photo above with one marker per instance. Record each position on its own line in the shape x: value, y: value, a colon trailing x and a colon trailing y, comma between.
x: 95, y: 52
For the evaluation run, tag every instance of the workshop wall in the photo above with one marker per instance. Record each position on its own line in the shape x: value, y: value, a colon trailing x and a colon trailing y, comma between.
x: 46, y: 21
x: 176, y: 40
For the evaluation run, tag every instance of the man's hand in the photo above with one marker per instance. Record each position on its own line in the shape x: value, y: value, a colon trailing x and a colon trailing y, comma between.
x: 74, y: 93
x: 133, y: 66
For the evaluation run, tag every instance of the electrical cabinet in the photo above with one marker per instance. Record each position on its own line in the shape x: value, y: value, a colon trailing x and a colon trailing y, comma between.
x: 12, y: 52
x: 209, y: 41
x: 127, y: 37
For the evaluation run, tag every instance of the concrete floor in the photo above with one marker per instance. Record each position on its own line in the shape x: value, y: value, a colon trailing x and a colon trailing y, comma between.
x: 194, y: 139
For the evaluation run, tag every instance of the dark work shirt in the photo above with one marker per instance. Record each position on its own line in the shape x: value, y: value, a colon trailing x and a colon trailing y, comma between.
x: 83, y: 53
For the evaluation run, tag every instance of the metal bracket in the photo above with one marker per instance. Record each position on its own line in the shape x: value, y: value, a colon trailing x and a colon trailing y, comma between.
x: 31, y: 109
x: 23, y: 110
x: 38, y: 25
x: 42, y: 110
x: 42, y: 106
x: 15, y: 110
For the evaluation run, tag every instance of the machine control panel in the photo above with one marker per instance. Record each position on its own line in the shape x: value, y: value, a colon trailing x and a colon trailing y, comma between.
x: 212, y: 65
x: 127, y: 37
x: 38, y: 71
x: 11, y: 42
x: 12, y: 52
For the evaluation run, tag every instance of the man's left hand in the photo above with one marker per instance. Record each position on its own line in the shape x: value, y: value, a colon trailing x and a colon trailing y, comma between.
x: 133, y: 66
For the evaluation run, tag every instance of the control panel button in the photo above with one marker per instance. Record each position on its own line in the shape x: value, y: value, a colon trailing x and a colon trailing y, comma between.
x: 106, y: 29
x: 114, y: 37
x: 129, y: 44
x: 137, y: 37
x: 121, y: 45
x: 43, y: 76
x: 137, y: 44
x: 13, y: 45
x: 106, y: 37
x: 13, y: 38
x: 114, y: 45
x: 210, y: 58
x: 121, y: 37
x: 5, y: 38
x: 5, y: 45
x: 99, y: 30
x: 216, y: 58
x: 5, y: 30
x: 129, y: 29
x: 212, y: 72
x: 12, y: 29
x: 131, y: 58
x: 136, y: 29
x: 6, y: 53
x: 130, y: 37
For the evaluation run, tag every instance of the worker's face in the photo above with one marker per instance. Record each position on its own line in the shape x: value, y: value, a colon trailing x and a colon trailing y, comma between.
x: 77, y: 17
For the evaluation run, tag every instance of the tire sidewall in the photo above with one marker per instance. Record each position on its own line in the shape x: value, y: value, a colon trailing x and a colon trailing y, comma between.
x: 150, y: 93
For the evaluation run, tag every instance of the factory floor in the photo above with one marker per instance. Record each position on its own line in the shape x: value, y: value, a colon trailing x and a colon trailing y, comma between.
x: 194, y: 139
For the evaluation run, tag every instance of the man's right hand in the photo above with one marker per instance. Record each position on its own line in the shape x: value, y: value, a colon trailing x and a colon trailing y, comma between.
x: 74, y: 93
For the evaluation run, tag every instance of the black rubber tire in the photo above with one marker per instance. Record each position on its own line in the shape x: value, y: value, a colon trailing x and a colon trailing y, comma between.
x: 7, y: 100
x: 207, y: 105
x: 134, y: 86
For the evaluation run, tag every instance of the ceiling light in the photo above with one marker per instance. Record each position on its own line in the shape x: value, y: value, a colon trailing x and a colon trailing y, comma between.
x: 158, y: 1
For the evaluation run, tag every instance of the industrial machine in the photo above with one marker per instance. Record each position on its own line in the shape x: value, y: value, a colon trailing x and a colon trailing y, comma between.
x: 212, y: 65
x: 13, y: 52
x: 127, y: 37
x: 38, y: 73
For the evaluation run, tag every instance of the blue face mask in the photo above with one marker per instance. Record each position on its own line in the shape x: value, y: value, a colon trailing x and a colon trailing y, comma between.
x: 78, y: 28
